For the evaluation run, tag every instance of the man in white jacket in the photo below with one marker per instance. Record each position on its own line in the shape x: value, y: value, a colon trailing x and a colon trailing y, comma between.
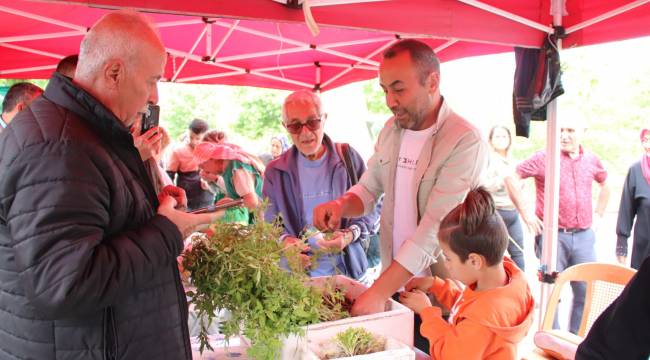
x: 426, y: 160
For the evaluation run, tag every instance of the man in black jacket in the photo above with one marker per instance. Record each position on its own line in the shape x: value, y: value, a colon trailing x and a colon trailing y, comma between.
x: 87, y: 252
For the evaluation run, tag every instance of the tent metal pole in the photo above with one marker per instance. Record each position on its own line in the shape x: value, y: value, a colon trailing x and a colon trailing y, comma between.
x: 56, y: 35
x: 345, y: 66
x: 358, y: 42
x: 315, y: 3
x: 371, y: 55
x: 262, y: 54
x: 208, y: 39
x: 210, y: 76
x: 43, y: 19
x: 297, y: 43
x: 199, y: 59
x: 196, y: 43
x: 277, y: 78
x: 347, y: 56
x: 606, y: 15
x: 286, y: 67
x: 32, y: 51
x: 508, y: 15
x: 444, y: 46
x: 551, y: 183
x: 178, y: 23
x: 35, y: 68
x: 224, y: 39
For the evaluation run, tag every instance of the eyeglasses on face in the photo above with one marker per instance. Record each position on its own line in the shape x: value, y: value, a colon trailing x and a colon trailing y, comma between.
x: 296, y: 127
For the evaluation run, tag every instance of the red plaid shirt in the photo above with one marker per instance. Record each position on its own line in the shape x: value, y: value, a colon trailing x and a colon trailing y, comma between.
x: 576, y: 178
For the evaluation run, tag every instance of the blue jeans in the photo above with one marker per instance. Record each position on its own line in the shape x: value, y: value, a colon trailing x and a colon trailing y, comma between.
x: 573, y: 248
x: 513, y: 224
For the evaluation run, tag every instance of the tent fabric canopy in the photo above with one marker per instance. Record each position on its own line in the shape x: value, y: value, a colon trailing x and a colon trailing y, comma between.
x: 267, y: 44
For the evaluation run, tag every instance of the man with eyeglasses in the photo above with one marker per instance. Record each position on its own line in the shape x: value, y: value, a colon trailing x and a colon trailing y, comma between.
x: 311, y: 172
x: 426, y: 160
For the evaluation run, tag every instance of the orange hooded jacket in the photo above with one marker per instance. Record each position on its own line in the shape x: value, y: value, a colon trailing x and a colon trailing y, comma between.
x: 487, y: 325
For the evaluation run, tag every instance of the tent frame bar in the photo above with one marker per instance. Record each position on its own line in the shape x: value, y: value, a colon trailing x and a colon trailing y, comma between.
x: 42, y: 19
x: 34, y: 68
x: 508, y: 15
x: 31, y: 51
x: 372, y: 54
x: 224, y: 39
x: 196, y: 43
x: 55, y: 35
x: 607, y: 15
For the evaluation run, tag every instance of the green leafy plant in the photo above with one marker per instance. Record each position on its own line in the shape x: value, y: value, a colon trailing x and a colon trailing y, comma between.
x: 355, y: 341
x: 236, y: 267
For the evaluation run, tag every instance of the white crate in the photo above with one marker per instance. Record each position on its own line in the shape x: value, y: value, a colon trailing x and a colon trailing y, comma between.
x: 394, y: 350
x: 396, y: 322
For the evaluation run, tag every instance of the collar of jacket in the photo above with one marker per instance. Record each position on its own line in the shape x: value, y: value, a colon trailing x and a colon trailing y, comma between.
x: 63, y: 92
x: 288, y: 164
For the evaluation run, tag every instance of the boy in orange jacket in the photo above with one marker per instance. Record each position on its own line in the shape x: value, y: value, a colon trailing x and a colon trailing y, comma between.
x: 492, y: 312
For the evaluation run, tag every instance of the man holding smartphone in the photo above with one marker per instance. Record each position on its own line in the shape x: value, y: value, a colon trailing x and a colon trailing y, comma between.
x: 88, y: 249
x: 151, y: 140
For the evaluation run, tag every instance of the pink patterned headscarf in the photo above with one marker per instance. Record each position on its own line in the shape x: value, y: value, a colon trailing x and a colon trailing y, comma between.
x: 645, y: 159
x: 208, y: 150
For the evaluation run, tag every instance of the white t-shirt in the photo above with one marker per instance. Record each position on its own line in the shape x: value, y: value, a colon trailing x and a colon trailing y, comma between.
x: 406, y: 207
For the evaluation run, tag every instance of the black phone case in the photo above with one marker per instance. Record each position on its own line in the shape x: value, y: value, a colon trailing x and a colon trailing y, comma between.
x: 150, y: 119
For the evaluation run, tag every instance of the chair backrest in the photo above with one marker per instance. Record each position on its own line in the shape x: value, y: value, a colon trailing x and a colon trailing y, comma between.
x: 605, y: 282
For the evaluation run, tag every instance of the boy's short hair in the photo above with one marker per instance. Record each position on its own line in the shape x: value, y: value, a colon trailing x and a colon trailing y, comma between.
x: 475, y: 227
x: 198, y: 126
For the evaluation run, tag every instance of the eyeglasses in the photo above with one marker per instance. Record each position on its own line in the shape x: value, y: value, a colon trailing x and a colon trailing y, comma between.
x: 296, y: 127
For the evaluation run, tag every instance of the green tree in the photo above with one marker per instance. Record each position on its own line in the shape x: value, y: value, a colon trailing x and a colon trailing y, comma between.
x: 184, y: 102
x: 261, y: 113
x: 376, y: 104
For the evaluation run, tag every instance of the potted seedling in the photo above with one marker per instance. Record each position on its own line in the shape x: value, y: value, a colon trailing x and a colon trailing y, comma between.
x: 359, y: 344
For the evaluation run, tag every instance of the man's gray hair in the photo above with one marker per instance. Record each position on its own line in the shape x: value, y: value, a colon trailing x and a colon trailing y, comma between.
x: 117, y: 35
x: 425, y: 59
x: 301, y: 96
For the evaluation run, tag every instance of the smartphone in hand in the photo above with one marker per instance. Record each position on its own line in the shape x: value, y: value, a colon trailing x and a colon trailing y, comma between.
x: 222, y: 206
x: 151, y: 118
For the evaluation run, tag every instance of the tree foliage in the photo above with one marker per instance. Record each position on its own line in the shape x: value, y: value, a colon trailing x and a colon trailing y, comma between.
x: 261, y: 113
x: 186, y: 102
x: 376, y: 105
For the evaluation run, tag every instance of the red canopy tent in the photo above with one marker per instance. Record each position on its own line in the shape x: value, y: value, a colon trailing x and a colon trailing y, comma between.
x: 267, y: 44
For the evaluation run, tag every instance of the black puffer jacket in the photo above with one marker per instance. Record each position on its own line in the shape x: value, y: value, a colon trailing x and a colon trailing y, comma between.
x: 87, y: 268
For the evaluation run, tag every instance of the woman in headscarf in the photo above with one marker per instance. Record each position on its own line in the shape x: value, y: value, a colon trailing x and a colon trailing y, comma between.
x: 241, y: 172
x: 279, y: 144
x: 635, y: 205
